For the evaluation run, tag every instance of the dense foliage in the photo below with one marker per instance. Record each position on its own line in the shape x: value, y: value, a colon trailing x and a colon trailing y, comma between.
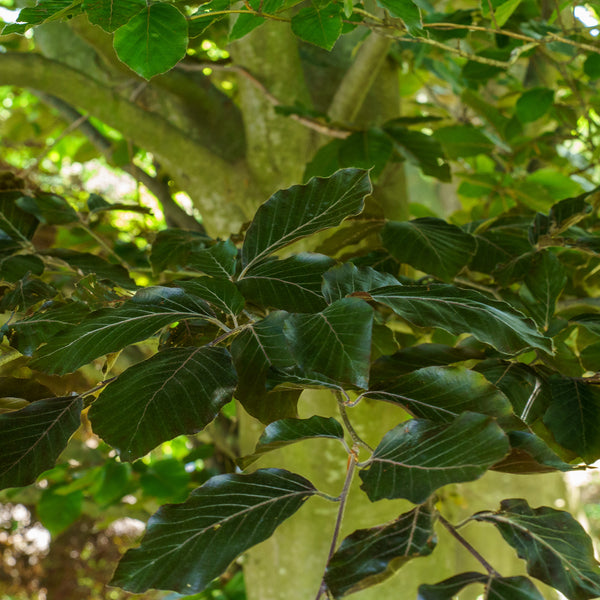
x: 482, y: 329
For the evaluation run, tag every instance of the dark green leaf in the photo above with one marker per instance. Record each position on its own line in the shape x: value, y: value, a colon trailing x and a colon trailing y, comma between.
x: 166, y: 479
x: 512, y: 588
x: 346, y: 279
x: 407, y: 11
x: 533, y: 104
x: 177, y: 391
x: 447, y: 589
x: 590, y: 321
x: 591, y: 66
x: 574, y: 416
x: 220, y: 293
x: 370, y: 149
x: 302, y: 210
x: 32, y: 438
x: 289, y: 431
x: 319, y: 24
x: 28, y: 389
x: 16, y: 267
x: 111, y: 329
x: 442, y: 393
x: 25, y: 293
x: 187, y: 545
x: 48, y: 209
x: 562, y: 216
x: 557, y: 549
x: 111, y: 14
x: 417, y: 457
x: 370, y: 556
x: 154, y: 40
x: 292, y: 284
x: 430, y: 245
x: 461, y: 141
x: 14, y: 221
x: 255, y: 350
x: 335, y: 343
x: 57, y: 511
x: 217, y: 261
x: 463, y: 311
x: 174, y: 248
x: 43, y: 10
x: 203, y: 18
x: 530, y: 454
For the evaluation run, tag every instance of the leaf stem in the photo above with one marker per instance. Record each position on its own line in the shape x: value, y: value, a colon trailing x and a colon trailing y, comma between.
x: 468, y: 546
x: 352, y: 460
x: 356, y: 439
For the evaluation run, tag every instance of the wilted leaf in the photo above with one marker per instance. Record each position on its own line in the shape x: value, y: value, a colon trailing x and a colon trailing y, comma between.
x: 177, y: 391
x: 187, y: 545
x: 417, y: 457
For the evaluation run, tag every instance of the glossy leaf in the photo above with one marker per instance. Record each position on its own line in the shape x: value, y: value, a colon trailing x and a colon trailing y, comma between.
x: 370, y: 556
x: 109, y: 330
x: 430, y: 245
x: 302, y: 210
x: 177, y: 391
x: 111, y: 14
x: 292, y: 284
x: 463, y: 311
x: 574, y: 416
x: 442, y: 393
x: 289, y: 431
x: 32, y: 438
x: 447, y: 589
x: 319, y: 24
x: 346, y: 279
x: 187, y: 545
x: 557, y: 549
x: 153, y: 41
x: 417, y: 457
x: 335, y: 342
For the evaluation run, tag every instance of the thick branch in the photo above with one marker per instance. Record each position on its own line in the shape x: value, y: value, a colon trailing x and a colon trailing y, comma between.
x: 216, y: 186
x: 357, y: 82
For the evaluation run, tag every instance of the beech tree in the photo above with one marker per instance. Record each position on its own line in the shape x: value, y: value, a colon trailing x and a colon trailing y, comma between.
x: 391, y: 267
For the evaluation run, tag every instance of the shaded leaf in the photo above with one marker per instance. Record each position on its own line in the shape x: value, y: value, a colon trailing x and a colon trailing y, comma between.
x: 369, y: 556
x: 174, y: 248
x: 177, y: 391
x: 14, y: 221
x: 111, y: 329
x: 442, y: 393
x: 187, y: 545
x: 289, y: 431
x: 111, y: 14
x: 417, y: 457
x: 346, y: 279
x: 573, y: 416
x: 370, y: 149
x: 447, y: 589
x: 407, y: 11
x: 16, y: 267
x: 153, y: 41
x: 533, y: 104
x: 302, y: 210
x: 460, y: 141
x: 292, y: 284
x: 57, y: 511
x: 218, y: 260
x: 220, y: 293
x: 48, y: 209
x: 335, y: 343
x: 430, y: 245
x: 32, y: 438
x: 166, y: 479
x: 557, y: 549
x: 17, y: 387
x: 25, y: 293
x: 319, y: 24
x: 463, y: 311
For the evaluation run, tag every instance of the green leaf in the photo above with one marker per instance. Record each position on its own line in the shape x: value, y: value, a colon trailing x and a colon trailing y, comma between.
x: 591, y: 66
x: 562, y: 216
x: 57, y: 511
x: 440, y: 394
x: 534, y: 104
x: 42, y: 11
x: 421, y: 150
x: 557, y: 549
x: 574, y: 416
x: 289, y: 431
x: 203, y: 18
x: 175, y: 248
x: 220, y: 293
x: 447, y: 589
x: 177, y: 391
x: 26, y: 293
x: 461, y: 141
x: 529, y: 454
x: 19, y: 388
x: 407, y: 11
x: 48, y: 209
x: 302, y: 210
x: 463, y: 311
x: 16, y: 267
x: 187, y: 545
x: 112, y: 14
x: 430, y: 245
x: 153, y: 41
x: 14, y: 221
x: 111, y: 329
x: 319, y: 24
x: 166, y: 479
x: 218, y: 260
x: 32, y: 438
x: 369, y: 556
x: 335, y: 343
x: 292, y: 284
x: 591, y: 322
x: 370, y: 149
x: 504, y: 11
x: 417, y: 457
x: 346, y: 279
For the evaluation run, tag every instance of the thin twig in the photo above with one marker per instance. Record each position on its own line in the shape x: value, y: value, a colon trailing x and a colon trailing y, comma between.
x: 468, y: 546
x: 356, y: 439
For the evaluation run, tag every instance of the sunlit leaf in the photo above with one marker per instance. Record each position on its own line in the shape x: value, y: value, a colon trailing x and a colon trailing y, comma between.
x: 419, y: 456
x: 177, y: 391
x: 319, y: 24
x: 111, y: 14
x: 187, y: 545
